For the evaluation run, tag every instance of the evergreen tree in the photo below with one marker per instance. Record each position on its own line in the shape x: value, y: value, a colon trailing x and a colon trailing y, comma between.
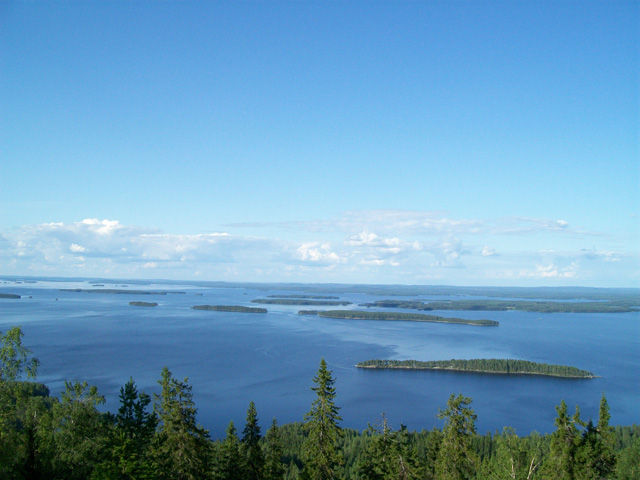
x: 595, y: 458
x: 182, y: 447
x: 564, y: 445
x: 388, y: 455
x: 231, y: 465
x: 456, y: 459
x: 322, y: 425
x: 132, y: 432
x: 250, y: 446
x: 273, y: 451
x: 78, y: 432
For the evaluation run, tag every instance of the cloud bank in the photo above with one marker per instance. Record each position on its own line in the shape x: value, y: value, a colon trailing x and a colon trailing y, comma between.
x: 378, y: 246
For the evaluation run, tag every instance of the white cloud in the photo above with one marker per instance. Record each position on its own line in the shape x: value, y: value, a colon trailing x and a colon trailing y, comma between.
x: 317, y: 253
x: 488, y: 251
x: 403, y: 247
x: 77, y: 248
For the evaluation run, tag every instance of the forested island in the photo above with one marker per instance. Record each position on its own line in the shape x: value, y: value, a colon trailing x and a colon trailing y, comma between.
x: 10, y: 295
x: 298, y: 301
x: 399, y: 316
x: 482, y: 365
x: 113, y: 291
x: 503, y: 305
x: 143, y: 304
x: 230, y: 308
x: 306, y: 297
x: 158, y: 436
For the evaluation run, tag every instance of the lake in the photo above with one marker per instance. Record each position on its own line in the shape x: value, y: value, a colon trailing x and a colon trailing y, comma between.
x: 271, y: 359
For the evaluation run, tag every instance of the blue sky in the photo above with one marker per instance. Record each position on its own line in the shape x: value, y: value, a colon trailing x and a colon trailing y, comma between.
x: 444, y: 142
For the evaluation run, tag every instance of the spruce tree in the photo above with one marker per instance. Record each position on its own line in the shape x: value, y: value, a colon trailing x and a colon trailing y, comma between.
x: 321, y: 451
x: 182, y: 449
x: 231, y: 465
x: 250, y: 446
x: 456, y: 460
x: 273, y: 451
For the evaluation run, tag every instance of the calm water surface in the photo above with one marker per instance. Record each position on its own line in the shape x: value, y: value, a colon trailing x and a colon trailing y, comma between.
x: 234, y: 358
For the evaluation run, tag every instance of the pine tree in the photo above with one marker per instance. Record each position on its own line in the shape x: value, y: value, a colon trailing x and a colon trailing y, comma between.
x: 250, y: 446
x: 182, y: 449
x: 231, y: 465
x: 388, y: 455
x: 322, y: 425
x: 456, y: 460
x: 131, y: 436
x: 564, y: 445
x: 273, y: 451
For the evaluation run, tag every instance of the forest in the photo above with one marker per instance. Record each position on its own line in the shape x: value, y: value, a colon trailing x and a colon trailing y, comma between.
x: 157, y: 437
x: 503, y: 305
x: 399, y: 316
x: 301, y: 301
x: 484, y: 365
x: 230, y: 308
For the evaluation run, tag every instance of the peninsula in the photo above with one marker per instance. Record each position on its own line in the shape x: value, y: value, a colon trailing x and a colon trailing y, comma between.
x: 482, y: 365
x: 230, y: 308
x: 399, y: 316
x: 299, y: 301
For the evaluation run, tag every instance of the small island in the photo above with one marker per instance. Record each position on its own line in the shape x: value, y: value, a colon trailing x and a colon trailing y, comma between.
x: 230, y: 308
x: 143, y: 304
x: 10, y: 295
x: 297, y: 301
x: 407, y: 317
x: 482, y: 365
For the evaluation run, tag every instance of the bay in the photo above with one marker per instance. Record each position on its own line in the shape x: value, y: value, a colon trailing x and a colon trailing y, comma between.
x: 234, y: 358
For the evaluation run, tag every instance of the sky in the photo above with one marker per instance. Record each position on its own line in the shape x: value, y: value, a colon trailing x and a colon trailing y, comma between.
x: 398, y: 142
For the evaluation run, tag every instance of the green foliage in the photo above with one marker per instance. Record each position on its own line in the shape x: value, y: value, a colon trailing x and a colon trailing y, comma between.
x: 503, y: 305
x: 294, y: 301
x: 322, y: 426
x: 406, y: 317
x: 484, y: 365
x: 250, y: 446
x: 14, y: 357
x: 231, y: 464
x: 79, y: 432
x: 131, y: 435
x: 456, y: 460
x: 389, y: 455
x: 182, y: 449
x: 230, y: 308
x: 273, y: 453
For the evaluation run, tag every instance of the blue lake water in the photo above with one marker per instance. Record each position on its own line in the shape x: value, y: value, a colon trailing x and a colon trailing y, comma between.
x: 234, y: 358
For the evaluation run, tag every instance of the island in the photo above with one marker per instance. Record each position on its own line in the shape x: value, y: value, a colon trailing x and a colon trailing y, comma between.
x: 10, y: 295
x: 112, y: 291
x: 482, y: 365
x: 307, y: 297
x: 230, y: 308
x: 296, y: 301
x: 398, y: 316
x: 143, y: 304
x: 540, y: 306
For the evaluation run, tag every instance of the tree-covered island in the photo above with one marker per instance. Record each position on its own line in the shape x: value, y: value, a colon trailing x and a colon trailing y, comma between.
x: 306, y: 297
x: 540, y: 306
x: 114, y: 291
x: 300, y: 301
x: 482, y: 365
x: 399, y: 316
x: 143, y: 304
x: 9, y: 295
x: 230, y: 308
